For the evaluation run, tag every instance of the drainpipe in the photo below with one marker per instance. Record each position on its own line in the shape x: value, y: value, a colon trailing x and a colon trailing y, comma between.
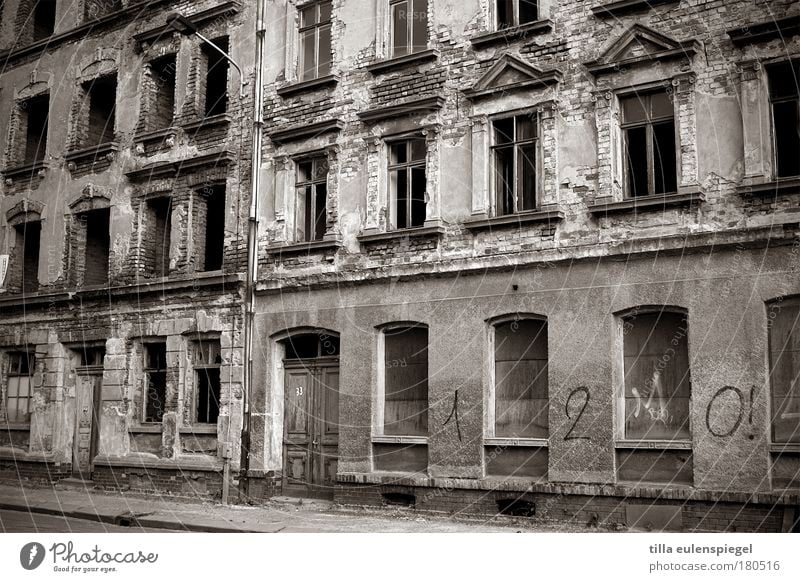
x: 252, y: 236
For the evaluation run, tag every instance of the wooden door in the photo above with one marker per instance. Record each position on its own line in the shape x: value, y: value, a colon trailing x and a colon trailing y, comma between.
x: 311, y: 428
x: 87, y: 413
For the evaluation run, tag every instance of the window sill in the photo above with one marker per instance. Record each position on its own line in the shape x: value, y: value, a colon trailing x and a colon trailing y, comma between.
x: 199, y: 429
x: 624, y: 6
x: 418, y: 58
x: 423, y: 231
x: 772, y: 188
x: 512, y: 442
x: 148, y: 138
x: 207, y: 122
x: 304, y: 247
x: 26, y: 171
x: 784, y: 448
x: 107, y: 150
x: 512, y: 34
x: 512, y: 220
x: 147, y: 428
x: 293, y: 88
x: 17, y: 425
x: 400, y: 440
x: 648, y: 203
x: 658, y: 445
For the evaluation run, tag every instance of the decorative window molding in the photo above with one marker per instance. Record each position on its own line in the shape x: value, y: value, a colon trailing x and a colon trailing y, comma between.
x: 620, y: 7
x: 302, y: 132
x: 24, y: 211
x: 26, y: 146
x: 509, y: 74
x: 423, y: 106
x: 765, y: 31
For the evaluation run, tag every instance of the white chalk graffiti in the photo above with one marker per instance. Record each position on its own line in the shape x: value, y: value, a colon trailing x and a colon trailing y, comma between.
x: 656, y: 405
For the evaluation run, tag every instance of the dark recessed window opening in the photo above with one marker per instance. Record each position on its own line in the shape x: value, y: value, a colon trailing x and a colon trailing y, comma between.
x: 207, y: 362
x: 405, y: 410
x: 163, y: 76
x: 159, y: 236
x: 28, y: 238
x: 44, y: 19
x: 521, y: 397
x: 409, y: 29
x: 648, y: 128
x: 34, y: 117
x: 510, y: 13
x: 214, y: 235
x: 312, y: 194
x: 96, y: 252
x: 91, y: 355
x: 101, y: 96
x: 155, y: 372
x: 514, y: 148
x: 516, y: 507
x: 784, y: 89
x: 216, y: 94
x: 408, y: 182
x: 315, y: 40
x: 311, y: 345
x: 399, y: 499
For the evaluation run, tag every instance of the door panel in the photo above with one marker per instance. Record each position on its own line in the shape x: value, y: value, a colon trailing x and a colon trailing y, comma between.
x: 87, y: 395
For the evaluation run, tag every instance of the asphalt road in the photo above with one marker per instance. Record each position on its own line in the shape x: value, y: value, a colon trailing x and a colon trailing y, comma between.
x: 23, y: 522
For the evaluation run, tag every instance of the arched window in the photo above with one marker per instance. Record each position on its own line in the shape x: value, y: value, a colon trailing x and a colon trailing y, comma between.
x: 520, y: 379
x: 784, y: 358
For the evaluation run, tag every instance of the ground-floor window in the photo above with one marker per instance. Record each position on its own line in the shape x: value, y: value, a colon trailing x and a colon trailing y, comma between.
x: 405, y: 397
x: 19, y: 386
x: 784, y: 352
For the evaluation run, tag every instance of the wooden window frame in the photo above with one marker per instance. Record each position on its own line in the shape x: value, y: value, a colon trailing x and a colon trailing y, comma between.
x: 146, y: 371
x: 15, y: 372
x: 199, y: 365
x: 409, y: 29
x: 311, y: 209
x: 773, y: 306
x: 515, y: 16
x: 317, y: 28
x: 774, y: 101
x: 408, y: 166
x: 517, y: 146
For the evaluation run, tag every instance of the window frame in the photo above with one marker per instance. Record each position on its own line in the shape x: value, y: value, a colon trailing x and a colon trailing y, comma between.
x: 317, y: 28
x: 408, y: 166
x: 198, y: 366
x: 409, y: 29
x: 648, y: 123
x: 793, y: 62
x: 515, y: 15
x: 299, y: 190
x: 146, y: 371
x: 773, y: 305
x: 18, y: 354
x: 516, y: 146
x: 207, y: 51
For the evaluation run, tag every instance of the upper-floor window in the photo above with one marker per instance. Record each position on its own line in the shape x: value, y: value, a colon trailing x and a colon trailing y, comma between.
x: 209, y: 228
x: 407, y: 182
x: 155, y: 377
x: 784, y: 93
x: 43, y: 19
x: 25, y: 268
x: 98, y: 112
x: 510, y: 13
x: 157, y: 241
x: 33, y: 121
x: 405, y: 380
x: 215, y: 78
x: 648, y: 128
x: 514, y: 149
x: 94, y: 242
x: 315, y: 40
x: 162, y: 94
x: 207, y: 363
x: 312, y: 195
x: 409, y: 26
x: 18, y: 386
x: 784, y: 351
x: 657, y: 388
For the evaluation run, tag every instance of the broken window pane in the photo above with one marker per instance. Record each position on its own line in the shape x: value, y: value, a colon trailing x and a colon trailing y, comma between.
x: 657, y: 382
x: 528, y: 11
x: 784, y: 350
x: 207, y: 362
x: 527, y: 164
x: 521, y: 394
x: 504, y: 173
x: 636, y: 156
x: 784, y: 79
x: 155, y: 372
x: 406, y: 381
x: 664, y: 158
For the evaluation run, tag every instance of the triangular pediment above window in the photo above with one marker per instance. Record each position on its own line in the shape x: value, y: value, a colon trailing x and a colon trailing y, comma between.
x: 511, y: 73
x: 639, y: 45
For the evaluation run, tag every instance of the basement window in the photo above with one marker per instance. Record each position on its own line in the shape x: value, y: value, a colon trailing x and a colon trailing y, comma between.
x: 648, y: 128
x: 99, y: 115
x: 93, y: 9
x: 33, y: 122
x: 155, y: 374
x: 207, y: 363
x: 657, y: 384
x: 96, y: 247
x: 315, y: 40
x: 162, y: 98
x: 511, y: 13
x: 216, y: 78
x: 158, y: 239
x: 405, y: 381
x: 784, y: 352
x: 784, y: 79
x: 408, y: 182
x: 312, y: 194
x: 210, y: 228
x: 26, y: 253
x: 44, y: 19
x: 409, y: 26
x: 19, y: 386
x: 514, y: 154
x: 520, y: 379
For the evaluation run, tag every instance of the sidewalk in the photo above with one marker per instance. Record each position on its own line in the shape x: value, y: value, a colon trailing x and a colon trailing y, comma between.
x: 154, y: 512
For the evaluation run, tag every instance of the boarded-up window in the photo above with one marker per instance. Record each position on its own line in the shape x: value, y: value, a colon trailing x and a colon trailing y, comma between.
x: 409, y: 26
x: 520, y: 386
x: 784, y: 90
x: 784, y: 351
x: 405, y: 409
x: 657, y: 382
x: 155, y: 372
x: 315, y: 40
x: 207, y: 362
x: 312, y: 194
x: 18, y: 389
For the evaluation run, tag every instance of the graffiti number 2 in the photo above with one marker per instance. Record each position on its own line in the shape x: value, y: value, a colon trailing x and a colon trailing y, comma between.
x: 580, y: 390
